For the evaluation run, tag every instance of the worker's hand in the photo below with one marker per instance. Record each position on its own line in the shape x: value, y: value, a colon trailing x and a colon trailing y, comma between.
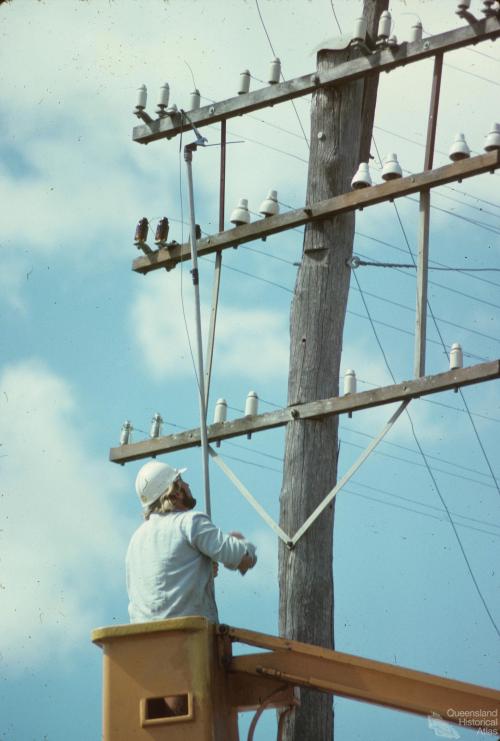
x: 247, y: 562
x: 215, y: 568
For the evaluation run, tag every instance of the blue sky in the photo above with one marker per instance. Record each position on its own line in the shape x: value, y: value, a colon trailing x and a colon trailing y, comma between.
x: 86, y: 343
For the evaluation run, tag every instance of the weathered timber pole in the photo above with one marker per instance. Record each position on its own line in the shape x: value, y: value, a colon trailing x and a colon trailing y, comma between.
x: 341, y: 126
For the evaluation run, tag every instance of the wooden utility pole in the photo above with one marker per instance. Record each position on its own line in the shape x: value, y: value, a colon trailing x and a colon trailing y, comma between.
x: 344, y: 89
x: 341, y: 126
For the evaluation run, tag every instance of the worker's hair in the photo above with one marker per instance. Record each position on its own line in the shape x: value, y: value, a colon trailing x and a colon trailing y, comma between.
x: 165, y: 503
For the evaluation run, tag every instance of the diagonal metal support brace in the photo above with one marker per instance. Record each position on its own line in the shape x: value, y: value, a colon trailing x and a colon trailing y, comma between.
x: 249, y: 497
x: 345, y: 478
x: 292, y: 542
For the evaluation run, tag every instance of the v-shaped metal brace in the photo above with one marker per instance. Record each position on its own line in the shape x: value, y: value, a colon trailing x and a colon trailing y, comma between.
x: 292, y: 542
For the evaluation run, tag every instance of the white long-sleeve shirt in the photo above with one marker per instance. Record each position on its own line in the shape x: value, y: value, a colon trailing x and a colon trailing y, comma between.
x: 169, y: 569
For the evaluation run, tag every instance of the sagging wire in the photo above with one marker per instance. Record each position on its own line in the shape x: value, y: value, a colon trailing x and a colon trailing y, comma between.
x: 483, y: 450
x: 430, y: 472
x: 335, y: 16
x: 282, y: 76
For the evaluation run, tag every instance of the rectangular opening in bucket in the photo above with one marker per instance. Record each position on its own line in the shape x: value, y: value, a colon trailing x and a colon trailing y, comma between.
x: 166, y: 709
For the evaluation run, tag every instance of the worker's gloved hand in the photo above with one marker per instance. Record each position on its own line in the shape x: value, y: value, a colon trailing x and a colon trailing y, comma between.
x: 249, y: 559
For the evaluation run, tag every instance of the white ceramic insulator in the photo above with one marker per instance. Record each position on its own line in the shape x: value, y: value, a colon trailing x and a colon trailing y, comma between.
x: 270, y: 206
x: 220, y: 413
x: 252, y: 403
x: 392, y: 168
x: 274, y: 72
x: 459, y: 149
x: 240, y: 214
x: 416, y: 32
x: 492, y: 141
x: 244, y: 82
x: 156, y: 424
x: 360, y: 25
x: 142, y: 97
x: 164, y: 95
x: 384, y: 25
x: 362, y: 178
x: 125, y: 432
x: 456, y: 356
x: 349, y: 382
x: 194, y: 100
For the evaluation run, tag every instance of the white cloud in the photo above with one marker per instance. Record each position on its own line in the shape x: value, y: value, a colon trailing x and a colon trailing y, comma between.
x: 62, y: 537
x: 249, y: 342
x: 70, y: 113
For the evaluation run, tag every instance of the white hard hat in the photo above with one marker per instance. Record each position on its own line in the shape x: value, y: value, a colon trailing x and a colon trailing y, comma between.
x: 153, y: 480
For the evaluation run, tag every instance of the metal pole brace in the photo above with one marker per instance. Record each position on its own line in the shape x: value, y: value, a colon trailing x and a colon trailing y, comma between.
x: 292, y: 542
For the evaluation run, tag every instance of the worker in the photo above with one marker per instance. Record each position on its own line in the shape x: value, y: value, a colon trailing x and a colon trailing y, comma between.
x: 170, y: 558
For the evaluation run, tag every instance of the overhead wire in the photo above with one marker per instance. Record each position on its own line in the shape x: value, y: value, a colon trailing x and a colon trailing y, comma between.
x: 282, y: 76
x: 432, y: 262
x: 471, y: 74
x: 350, y: 491
x: 443, y: 321
x: 335, y: 16
x: 266, y: 146
x: 482, y: 210
x: 488, y: 227
x: 358, y: 484
x: 444, y: 154
x: 461, y: 476
x: 378, y: 264
x: 450, y: 213
x: 434, y: 319
x: 385, y: 358
x: 433, y: 266
x: 482, y: 54
x: 261, y: 120
x: 398, y: 446
x: 476, y: 222
x: 411, y: 255
x: 349, y: 311
x: 465, y: 271
x: 433, y: 478
x: 439, y: 403
x: 383, y: 298
x: 304, y: 136
x: 401, y: 447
